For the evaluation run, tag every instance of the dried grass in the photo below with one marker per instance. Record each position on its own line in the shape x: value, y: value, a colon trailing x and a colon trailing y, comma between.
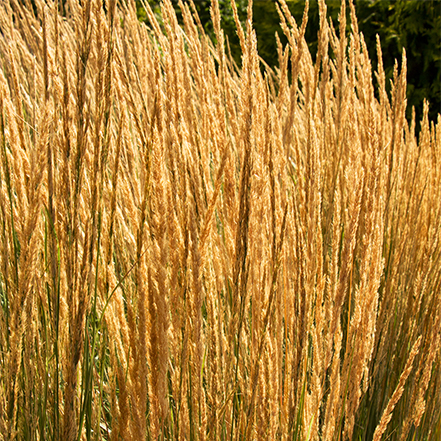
x: 195, y: 251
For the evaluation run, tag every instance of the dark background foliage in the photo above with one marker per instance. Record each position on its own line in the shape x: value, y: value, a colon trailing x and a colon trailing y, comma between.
x: 411, y: 24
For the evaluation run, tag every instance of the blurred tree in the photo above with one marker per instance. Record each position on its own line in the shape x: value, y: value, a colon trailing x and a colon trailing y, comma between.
x: 411, y: 24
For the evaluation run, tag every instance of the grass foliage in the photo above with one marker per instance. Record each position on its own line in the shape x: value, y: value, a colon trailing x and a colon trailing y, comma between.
x: 192, y: 251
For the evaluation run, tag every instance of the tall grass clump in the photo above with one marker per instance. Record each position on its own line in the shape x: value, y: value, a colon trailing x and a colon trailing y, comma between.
x: 192, y: 250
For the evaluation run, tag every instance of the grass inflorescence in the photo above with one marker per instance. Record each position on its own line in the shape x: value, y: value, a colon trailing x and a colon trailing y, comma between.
x: 193, y: 250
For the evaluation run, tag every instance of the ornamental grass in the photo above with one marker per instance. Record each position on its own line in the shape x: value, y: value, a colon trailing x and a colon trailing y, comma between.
x: 195, y: 250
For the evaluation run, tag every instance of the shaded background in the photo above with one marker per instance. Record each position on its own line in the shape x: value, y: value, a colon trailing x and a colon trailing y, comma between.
x: 411, y: 24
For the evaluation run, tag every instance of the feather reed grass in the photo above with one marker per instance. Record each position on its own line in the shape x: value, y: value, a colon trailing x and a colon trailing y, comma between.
x: 195, y: 251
